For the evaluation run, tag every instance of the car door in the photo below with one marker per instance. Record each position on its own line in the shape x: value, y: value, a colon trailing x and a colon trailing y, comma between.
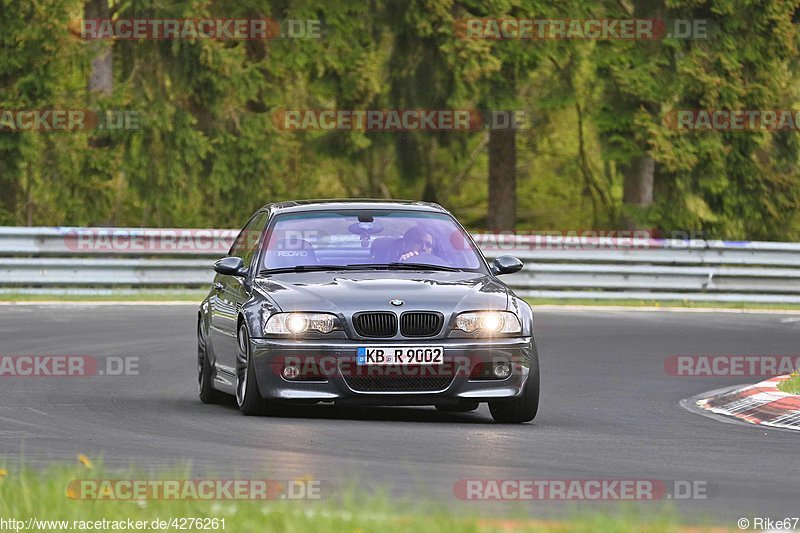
x: 231, y: 291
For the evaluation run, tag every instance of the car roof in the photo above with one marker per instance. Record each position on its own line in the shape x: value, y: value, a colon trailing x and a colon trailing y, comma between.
x: 352, y: 203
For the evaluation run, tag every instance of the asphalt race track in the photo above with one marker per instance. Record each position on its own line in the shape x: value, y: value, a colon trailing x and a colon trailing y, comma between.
x: 609, y: 411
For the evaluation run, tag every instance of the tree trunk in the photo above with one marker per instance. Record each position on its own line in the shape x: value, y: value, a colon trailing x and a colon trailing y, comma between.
x: 639, y: 172
x: 101, y: 79
x: 11, y: 189
x: 638, y: 184
x: 502, y: 179
x: 28, y: 198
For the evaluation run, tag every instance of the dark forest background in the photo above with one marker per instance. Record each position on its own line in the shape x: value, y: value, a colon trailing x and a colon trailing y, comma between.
x: 596, y: 151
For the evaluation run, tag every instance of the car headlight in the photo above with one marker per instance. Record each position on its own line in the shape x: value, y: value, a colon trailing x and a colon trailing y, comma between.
x: 489, y: 322
x: 299, y: 323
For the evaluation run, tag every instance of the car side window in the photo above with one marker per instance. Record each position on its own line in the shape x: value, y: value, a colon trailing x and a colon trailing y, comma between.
x: 254, y: 231
x: 237, y: 248
x: 246, y: 242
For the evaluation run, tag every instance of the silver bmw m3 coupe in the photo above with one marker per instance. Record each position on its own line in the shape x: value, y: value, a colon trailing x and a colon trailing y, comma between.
x: 368, y: 302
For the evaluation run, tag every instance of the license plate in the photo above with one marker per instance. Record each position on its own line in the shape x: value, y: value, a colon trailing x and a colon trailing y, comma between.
x: 400, y: 355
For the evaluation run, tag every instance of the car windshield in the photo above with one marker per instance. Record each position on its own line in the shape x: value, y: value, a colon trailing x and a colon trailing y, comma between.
x: 364, y: 238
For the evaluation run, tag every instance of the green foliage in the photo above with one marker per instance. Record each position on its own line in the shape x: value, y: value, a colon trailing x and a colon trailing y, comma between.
x: 737, y: 184
x: 208, y: 150
x: 792, y: 384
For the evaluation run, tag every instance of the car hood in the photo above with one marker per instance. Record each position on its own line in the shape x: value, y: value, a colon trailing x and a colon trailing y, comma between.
x: 350, y: 292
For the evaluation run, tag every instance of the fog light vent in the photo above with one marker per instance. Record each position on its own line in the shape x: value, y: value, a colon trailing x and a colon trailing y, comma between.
x: 291, y: 372
x: 502, y: 370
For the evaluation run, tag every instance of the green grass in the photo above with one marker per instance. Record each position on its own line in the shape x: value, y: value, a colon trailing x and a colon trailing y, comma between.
x: 168, y: 295
x: 196, y: 295
x: 791, y: 385
x: 27, y: 493
x: 663, y: 303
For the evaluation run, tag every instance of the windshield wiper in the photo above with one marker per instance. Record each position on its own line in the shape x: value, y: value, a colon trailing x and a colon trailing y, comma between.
x: 359, y: 266
x: 301, y: 268
x: 417, y: 266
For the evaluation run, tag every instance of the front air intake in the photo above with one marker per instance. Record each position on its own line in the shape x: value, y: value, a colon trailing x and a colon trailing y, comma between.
x: 375, y: 324
x: 421, y: 324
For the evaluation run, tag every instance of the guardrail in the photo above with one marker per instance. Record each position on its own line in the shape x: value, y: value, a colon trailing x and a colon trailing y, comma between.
x: 57, y: 259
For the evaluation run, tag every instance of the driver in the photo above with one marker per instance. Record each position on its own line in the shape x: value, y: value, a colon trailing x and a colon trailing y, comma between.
x: 416, y: 241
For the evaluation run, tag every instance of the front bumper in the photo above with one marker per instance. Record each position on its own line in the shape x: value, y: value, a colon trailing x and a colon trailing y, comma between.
x: 337, y: 384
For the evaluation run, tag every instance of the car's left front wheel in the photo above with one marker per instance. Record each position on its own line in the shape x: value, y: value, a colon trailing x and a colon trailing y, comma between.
x: 248, y: 397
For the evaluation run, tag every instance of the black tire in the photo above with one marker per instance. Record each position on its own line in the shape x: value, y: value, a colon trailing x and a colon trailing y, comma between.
x: 524, y: 408
x: 248, y: 397
x: 460, y: 407
x: 205, y: 374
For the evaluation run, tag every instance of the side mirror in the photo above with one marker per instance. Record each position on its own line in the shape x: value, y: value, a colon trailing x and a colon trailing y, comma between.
x: 230, y: 266
x: 505, y: 264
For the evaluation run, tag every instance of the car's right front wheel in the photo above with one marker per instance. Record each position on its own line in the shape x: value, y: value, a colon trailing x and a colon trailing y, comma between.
x: 525, y: 407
